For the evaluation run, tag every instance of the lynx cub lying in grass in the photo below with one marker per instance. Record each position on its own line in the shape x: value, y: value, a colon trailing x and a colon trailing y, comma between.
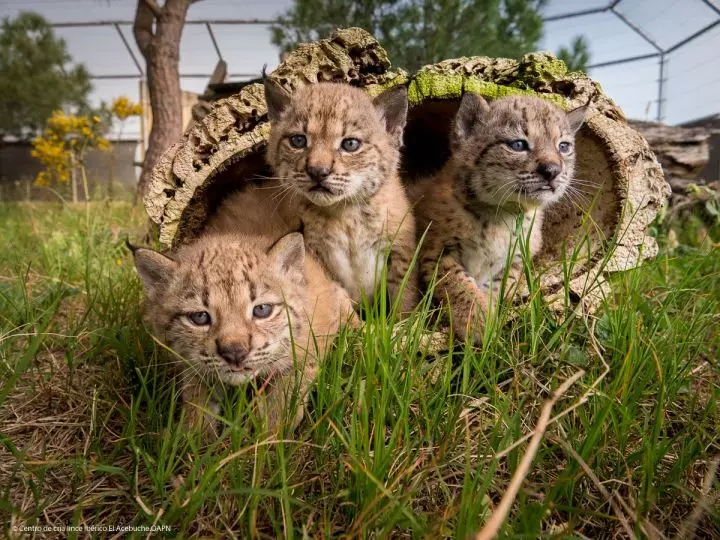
x: 242, y: 307
x: 336, y: 153
x: 510, y: 160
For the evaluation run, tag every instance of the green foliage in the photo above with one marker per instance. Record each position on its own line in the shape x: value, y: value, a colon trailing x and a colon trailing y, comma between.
x: 395, y: 442
x: 577, y: 56
x: 418, y: 32
x: 37, y: 76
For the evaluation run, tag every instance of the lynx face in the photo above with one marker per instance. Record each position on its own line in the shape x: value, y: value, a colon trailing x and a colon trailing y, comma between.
x: 518, y: 149
x: 331, y: 143
x: 227, y: 307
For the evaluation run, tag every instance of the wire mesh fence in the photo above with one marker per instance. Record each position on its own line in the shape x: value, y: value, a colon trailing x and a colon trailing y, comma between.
x: 656, y: 58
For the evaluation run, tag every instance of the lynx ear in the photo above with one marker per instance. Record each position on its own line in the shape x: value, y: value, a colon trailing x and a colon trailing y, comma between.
x: 393, y: 106
x: 154, y: 269
x: 472, y: 109
x: 276, y: 99
x: 288, y: 254
x: 576, y: 117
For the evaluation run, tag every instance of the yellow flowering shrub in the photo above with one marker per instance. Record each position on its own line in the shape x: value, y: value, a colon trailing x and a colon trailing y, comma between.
x: 67, y: 137
x: 64, y: 141
x: 123, y: 108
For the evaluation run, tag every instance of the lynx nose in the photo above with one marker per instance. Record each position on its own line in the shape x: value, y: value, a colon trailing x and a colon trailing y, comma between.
x: 318, y: 173
x: 233, y: 352
x: 549, y: 171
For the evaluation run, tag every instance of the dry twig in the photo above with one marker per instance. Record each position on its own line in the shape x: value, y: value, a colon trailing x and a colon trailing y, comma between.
x: 687, y: 529
x: 595, y: 480
x: 580, y: 402
x: 492, y: 527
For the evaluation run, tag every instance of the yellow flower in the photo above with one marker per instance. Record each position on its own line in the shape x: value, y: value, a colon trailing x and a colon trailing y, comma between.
x: 123, y: 108
x: 65, y: 140
x: 41, y: 179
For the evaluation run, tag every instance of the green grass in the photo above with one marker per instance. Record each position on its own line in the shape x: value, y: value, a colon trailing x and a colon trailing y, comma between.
x: 395, y: 443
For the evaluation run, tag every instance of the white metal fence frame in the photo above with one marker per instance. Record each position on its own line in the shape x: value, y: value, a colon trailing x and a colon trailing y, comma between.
x: 612, y: 7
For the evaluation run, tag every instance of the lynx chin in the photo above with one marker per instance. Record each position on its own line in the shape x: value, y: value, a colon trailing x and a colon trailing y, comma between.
x: 335, y: 153
x: 239, y: 308
x: 510, y: 160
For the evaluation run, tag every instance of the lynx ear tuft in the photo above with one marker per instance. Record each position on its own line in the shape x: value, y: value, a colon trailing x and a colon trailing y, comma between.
x: 130, y: 247
x: 577, y: 116
x: 288, y: 253
x: 154, y: 269
x: 393, y: 106
x: 276, y: 98
x: 472, y: 108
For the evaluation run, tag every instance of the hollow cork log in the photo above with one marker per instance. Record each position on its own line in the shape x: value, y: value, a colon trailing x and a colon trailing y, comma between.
x: 600, y: 227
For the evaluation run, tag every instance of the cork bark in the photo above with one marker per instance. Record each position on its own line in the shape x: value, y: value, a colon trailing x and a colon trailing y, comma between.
x: 604, y: 227
x: 683, y: 153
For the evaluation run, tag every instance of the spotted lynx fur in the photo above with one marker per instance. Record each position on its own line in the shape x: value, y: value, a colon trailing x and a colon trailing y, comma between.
x: 335, y: 153
x: 239, y: 305
x: 510, y: 160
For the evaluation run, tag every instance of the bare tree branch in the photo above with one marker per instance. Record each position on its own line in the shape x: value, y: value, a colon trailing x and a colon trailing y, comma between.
x: 143, y: 26
x: 153, y: 6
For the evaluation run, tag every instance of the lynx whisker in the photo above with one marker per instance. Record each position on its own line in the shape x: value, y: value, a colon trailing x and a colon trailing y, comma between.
x: 510, y: 184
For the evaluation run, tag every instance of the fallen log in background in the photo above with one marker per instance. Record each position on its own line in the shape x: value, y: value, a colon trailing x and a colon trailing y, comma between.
x: 683, y: 152
x: 622, y: 182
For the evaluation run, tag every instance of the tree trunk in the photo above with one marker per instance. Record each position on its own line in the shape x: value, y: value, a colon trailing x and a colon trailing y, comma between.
x: 620, y: 184
x: 161, y: 49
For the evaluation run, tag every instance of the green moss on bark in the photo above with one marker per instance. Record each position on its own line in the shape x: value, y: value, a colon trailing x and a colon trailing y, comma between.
x: 453, y: 85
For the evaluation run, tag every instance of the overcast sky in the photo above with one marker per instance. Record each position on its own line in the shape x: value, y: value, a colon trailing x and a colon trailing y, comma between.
x: 693, y: 72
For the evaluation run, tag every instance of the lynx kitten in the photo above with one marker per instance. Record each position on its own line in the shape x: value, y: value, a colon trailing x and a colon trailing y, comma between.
x: 510, y: 160
x: 336, y: 153
x: 238, y: 308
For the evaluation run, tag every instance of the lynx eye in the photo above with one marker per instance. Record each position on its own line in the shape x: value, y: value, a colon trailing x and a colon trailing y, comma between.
x: 518, y: 145
x: 298, y: 141
x: 564, y: 147
x: 350, y: 144
x: 199, y: 318
x: 262, y: 311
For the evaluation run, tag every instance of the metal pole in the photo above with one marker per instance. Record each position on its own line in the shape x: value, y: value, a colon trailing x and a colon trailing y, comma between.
x: 129, y: 49
x: 214, y: 41
x: 712, y: 5
x: 624, y: 60
x: 661, y: 90
x: 571, y: 14
x: 693, y: 36
x: 78, y: 24
x: 637, y: 30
